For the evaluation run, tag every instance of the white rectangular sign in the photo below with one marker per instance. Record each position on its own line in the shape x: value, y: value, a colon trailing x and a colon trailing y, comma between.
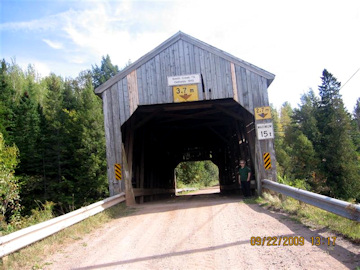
x: 265, y: 131
x: 183, y: 79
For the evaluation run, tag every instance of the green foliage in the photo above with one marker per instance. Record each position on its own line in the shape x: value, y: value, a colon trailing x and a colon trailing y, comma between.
x: 309, y: 214
x: 26, y: 132
x: 197, y: 173
x: 7, y: 99
x: 297, y: 183
x: 303, y: 157
x: 355, y: 134
x: 320, y: 144
x: 336, y: 148
x: 9, y: 188
x: 305, y: 117
x: 104, y: 72
x: 283, y: 158
x: 57, y: 125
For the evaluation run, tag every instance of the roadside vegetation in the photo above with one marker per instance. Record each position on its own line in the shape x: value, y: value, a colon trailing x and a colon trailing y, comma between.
x: 196, y: 174
x: 318, y: 143
x: 312, y: 216
x: 307, y: 214
x: 52, y: 144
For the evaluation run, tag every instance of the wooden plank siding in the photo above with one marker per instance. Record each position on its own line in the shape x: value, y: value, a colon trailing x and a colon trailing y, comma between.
x: 145, y: 83
x: 219, y: 78
x: 133, y: 91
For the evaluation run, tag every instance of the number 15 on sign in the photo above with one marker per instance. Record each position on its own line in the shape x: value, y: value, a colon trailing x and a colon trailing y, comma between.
x: 265, y: 131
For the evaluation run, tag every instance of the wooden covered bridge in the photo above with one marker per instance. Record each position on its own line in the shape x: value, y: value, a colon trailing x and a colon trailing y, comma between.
x: 185, y: 101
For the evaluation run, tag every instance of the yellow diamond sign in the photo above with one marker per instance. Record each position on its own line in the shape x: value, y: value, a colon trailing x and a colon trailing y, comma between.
x: 185, y: 93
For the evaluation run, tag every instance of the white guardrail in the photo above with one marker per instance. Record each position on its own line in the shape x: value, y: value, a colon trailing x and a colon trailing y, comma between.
x: 338, y: 207
x: 19, y: 239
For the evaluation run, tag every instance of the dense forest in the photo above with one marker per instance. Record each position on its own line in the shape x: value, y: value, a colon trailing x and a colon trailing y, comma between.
x: 317, y: 145
x: 52, y: 143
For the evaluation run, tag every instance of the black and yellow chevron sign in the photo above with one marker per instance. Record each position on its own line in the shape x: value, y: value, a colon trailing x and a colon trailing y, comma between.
x: 118, y: 175
x: 267, y: 161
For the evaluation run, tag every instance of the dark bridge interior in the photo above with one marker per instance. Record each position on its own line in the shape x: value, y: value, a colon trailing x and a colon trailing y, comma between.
x: 162, y: 136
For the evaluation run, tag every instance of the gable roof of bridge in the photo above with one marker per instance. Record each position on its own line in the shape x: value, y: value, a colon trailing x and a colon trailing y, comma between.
x: 187, y: 38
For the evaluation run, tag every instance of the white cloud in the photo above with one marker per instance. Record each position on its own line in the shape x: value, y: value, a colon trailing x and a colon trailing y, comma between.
x: 41, y: 68
x: 53, y: 44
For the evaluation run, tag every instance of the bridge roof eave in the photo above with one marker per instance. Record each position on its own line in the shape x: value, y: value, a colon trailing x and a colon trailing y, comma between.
x: 180, y: 35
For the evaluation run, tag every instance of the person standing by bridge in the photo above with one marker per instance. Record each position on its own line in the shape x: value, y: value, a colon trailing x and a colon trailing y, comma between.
x: 244, y: 179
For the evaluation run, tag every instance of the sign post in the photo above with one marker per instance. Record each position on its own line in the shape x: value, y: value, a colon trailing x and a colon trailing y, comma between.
x: 264, y: 140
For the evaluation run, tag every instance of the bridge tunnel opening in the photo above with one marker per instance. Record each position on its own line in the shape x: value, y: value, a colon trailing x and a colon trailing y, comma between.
x: 157, y: 138
x: 194, y: 175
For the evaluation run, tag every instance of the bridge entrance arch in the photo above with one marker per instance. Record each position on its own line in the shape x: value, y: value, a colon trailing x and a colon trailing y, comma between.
x: 150, y: 129
x: 167, y: 134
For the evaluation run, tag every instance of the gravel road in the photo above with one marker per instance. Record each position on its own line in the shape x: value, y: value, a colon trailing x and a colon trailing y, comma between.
x: 206, y: 231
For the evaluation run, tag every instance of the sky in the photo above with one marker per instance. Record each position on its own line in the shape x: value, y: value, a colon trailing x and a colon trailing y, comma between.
x: 295, y: 40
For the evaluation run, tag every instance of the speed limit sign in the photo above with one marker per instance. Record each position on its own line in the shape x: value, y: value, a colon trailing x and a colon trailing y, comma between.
x: 265, y: 131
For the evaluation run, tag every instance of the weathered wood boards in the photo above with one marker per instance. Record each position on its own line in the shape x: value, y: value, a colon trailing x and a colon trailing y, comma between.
x: 224, y: 76
x: 145, y: 82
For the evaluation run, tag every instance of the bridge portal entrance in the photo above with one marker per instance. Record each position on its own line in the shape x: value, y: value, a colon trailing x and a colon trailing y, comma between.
x: 162, y: 136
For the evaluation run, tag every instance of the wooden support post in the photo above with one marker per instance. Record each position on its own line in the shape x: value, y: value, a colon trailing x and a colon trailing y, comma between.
x: 127, y: 161
x: 142, y: 164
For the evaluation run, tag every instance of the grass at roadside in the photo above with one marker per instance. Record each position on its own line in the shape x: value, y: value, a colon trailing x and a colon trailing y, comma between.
x: 310, y: 215
x: 32, y: 256
x: 197, y: 185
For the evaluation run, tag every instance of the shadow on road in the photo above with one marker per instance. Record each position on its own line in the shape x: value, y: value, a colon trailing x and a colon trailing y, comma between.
x: 166, y: 255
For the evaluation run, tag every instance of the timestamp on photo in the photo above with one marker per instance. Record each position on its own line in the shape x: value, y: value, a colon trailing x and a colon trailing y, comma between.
x: 291, y: 241
x: 323, y: 241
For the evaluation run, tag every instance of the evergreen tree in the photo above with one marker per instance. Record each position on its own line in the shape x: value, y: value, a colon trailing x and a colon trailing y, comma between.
x: 104, y: 72
x: 357, y: 113
x: 26, y: 132
x: 7, y: 99
x: 54, y: 116
x: 90, y: 153
x: 302, y: 154
x: 355, y: 134
x: 336, y: 149
x: 305, y: 117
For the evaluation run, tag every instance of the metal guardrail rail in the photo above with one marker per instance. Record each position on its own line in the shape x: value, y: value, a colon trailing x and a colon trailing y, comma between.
x: 19, y: 239
x: 341, y: 208
x: 22, y: 238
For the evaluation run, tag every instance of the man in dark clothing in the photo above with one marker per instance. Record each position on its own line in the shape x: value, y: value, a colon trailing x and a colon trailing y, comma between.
x: 244, y: 181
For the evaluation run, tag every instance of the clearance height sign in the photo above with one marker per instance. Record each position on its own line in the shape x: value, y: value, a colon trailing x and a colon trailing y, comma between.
x: 185, y: 87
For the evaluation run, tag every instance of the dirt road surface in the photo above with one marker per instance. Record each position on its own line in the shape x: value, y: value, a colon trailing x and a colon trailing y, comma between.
x: 206, y: 231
